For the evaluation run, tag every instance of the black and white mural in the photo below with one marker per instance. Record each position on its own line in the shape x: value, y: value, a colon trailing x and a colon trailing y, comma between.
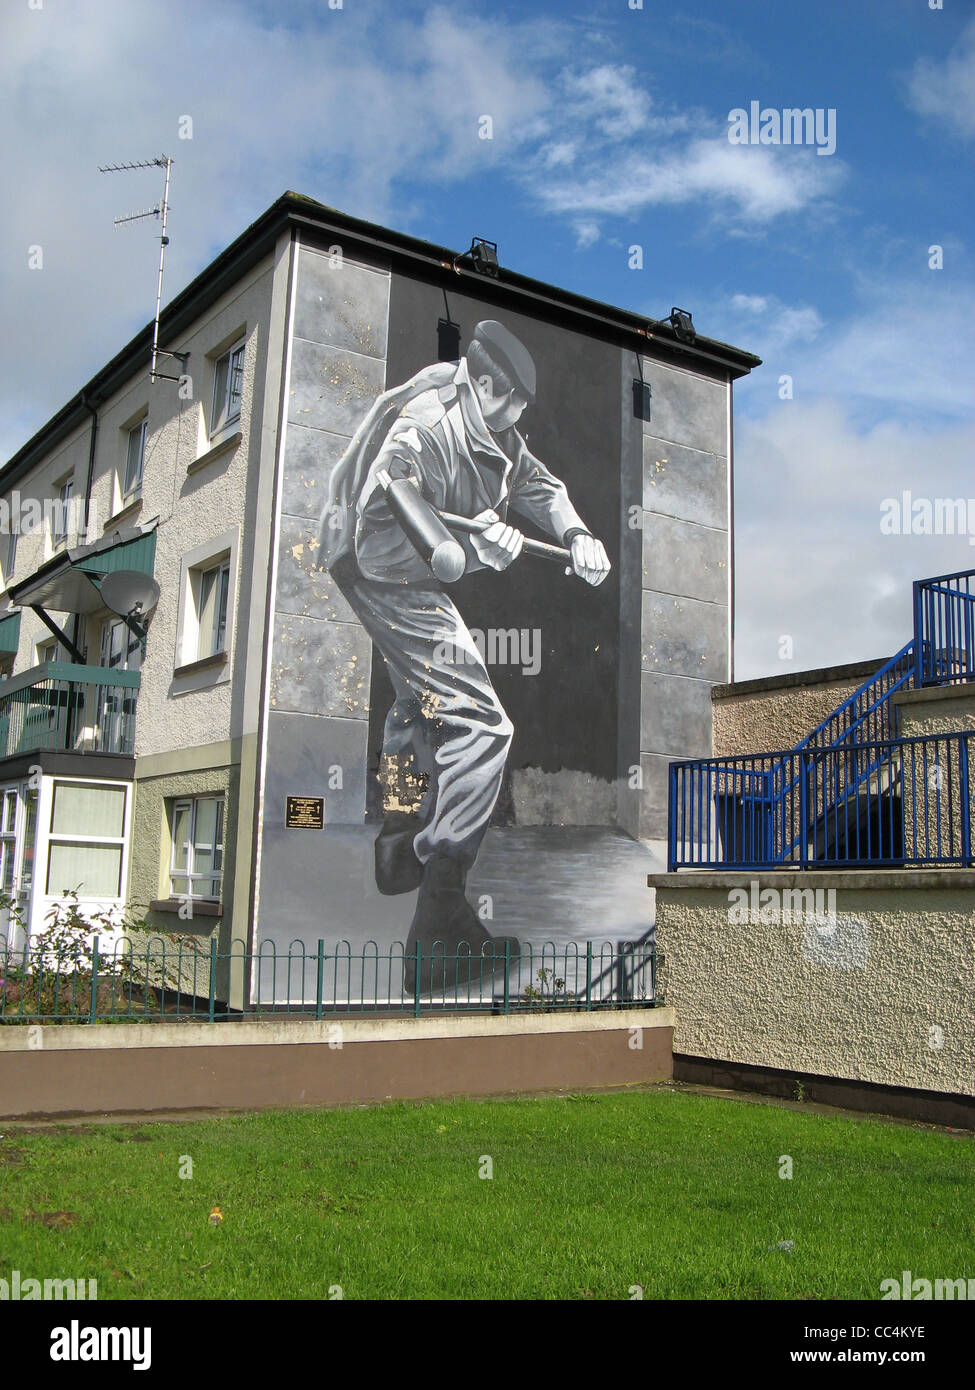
x: 459, y: 649
x: 444, y: 447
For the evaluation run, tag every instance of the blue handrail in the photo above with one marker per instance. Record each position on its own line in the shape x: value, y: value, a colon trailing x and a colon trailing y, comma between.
x: 944, y: 629
x: 759, y: 807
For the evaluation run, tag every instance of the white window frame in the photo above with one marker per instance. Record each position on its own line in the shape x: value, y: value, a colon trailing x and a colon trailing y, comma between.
x: 224, y: 410
x: 64, y: 492
x: 216, y: 640
x: 8, y: 838
x: 189, y: 873
x: 10, y: 557
x: 221, y: 550
x: 128, y: 492
x: 51, y: 837
x: 44, y: 648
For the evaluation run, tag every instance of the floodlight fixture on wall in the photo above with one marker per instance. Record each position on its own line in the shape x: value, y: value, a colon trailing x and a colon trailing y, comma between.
x: 483, y: 256
x: 681, y: 322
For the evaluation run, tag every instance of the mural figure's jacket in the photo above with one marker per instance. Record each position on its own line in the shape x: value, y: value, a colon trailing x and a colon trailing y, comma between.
x: 432, y: 428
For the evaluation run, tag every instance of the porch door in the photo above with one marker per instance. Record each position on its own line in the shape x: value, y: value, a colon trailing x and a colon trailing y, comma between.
x: 18, y: 831
x: 121, y: 650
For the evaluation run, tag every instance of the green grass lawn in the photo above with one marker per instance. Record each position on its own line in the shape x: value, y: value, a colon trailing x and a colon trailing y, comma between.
x: 679, y: 1193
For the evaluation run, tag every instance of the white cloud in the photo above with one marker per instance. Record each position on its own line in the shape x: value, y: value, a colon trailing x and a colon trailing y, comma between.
x: 587, y: 234
x: 902, y: 349
x: 882, y: 405
x: 750, y: 303
x: 945, y: 91
x: 609, y: 98
x: 767, y: 325
x: 752, y: 183
x: 904, y: 352
x: 811, y: 560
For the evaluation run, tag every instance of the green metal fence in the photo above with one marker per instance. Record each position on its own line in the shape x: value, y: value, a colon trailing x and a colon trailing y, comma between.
x: 172, y: 981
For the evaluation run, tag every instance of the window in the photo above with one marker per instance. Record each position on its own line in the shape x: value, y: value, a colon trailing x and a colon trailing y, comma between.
x: 120, y: 647
x: 8, y: 839
x: 10, y: 559
x: 86, y: 840
x: 135, y: 455
x: 49, y: 651
x: 196, y: 868
x: 205, y: 619
x: 211, y: 588
x: 62, y: 510
x: 228, y: 381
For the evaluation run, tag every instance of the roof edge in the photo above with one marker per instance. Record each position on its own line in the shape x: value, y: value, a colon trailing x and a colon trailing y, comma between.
x: 297, y: 210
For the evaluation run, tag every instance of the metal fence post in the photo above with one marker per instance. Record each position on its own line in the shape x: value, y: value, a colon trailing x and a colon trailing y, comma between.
x: 213, y: 976
x: 321, y: 975
x: 671, y: 818
x: 507, y: 975
x: 418, y: 961
x: 588, y: 974
x: 94, y: 980
x: 966, y: 806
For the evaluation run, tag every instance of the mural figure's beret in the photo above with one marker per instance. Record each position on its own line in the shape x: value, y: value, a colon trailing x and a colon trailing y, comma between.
x: 509, y: 353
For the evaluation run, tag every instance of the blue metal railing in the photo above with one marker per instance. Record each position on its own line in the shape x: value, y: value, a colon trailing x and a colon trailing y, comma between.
x: 903, y: 801
x: 944, y: 629
x: 753, y: 795
x: 752, y: 811
x: 866, y: 714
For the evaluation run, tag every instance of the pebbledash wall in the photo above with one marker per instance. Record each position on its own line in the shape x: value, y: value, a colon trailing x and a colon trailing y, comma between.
x: 773, y: 713
x: 804, y: 973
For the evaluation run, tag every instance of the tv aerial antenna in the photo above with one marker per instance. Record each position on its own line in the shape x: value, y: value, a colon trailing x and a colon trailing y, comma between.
x: 161, y: 210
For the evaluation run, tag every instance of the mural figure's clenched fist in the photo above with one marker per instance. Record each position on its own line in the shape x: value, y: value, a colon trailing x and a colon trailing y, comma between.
x: 499, y: 544
x: 589, y: 559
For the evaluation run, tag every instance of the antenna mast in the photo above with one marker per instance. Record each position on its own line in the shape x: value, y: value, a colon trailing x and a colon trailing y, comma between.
x: 161, y: 211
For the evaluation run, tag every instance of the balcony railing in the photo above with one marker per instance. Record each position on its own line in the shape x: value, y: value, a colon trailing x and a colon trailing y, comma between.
x: 944, y: 629
x: 82, y: 709
x: 894, y: 802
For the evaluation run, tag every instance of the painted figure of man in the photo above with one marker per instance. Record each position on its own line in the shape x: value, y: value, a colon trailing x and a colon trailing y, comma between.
x: 452, y: 431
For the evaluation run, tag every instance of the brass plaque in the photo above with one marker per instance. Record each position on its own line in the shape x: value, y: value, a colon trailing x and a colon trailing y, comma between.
x: 305, y: 813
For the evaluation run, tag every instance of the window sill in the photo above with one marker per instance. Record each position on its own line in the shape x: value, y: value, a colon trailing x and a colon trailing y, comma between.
x: 127, y: 509
x: 204, y: 664
x: 199, y: 907
x: 216, y: 451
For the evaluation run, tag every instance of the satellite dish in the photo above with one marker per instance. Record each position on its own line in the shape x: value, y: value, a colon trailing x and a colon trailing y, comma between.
x: 129, y: 592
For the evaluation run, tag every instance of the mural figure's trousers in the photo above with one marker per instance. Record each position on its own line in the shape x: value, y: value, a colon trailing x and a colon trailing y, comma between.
x: 443, y: 692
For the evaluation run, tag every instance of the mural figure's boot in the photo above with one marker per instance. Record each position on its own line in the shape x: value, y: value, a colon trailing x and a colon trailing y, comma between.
x: 397, y: 868
x: 455, y: 948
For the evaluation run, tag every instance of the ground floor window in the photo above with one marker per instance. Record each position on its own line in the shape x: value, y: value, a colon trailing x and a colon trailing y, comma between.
x: 8, y: 840
x: 86, y: 839
x: 196, y: 869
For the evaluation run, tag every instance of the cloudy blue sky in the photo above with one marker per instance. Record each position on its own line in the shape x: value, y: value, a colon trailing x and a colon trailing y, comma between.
x: 610, y: 129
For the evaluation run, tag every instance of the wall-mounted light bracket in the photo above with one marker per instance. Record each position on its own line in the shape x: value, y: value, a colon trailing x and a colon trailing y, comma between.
x: 483, y: 256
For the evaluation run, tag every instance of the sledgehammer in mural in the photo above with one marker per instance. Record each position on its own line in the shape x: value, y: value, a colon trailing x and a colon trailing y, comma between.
x: 420, y: 497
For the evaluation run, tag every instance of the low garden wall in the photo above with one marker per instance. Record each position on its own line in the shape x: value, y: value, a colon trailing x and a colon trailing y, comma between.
x: 863, y: 975
x: 78, y: 1069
